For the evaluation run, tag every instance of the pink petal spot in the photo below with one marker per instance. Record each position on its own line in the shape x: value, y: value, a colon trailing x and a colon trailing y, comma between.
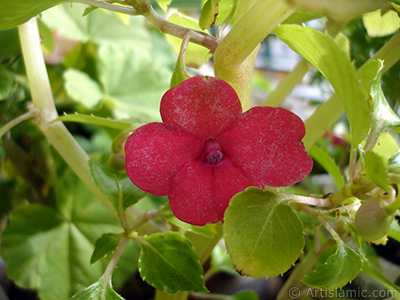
x: 202, y: 106
x: 154, y: 151
x: 265, y: 144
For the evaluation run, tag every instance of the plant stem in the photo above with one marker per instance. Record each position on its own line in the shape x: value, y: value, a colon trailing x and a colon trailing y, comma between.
x: 164, y: 26
x: 114, y: 261
x: 109, y: 6
x: 308, y: 200
x: 56, y: 133
x: 33, y: 112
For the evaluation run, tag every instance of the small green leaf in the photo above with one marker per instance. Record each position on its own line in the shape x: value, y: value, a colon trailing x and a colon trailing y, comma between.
x: 326, y: 161
x: 339, y: 269
x: 376, y: 169
x: 245, y: 295
x: 383, y: 116
x: 99, y: 290
x: 209, y: 14
x: 82, y: 88
x: 263, y: 234
x: 94, y: 120
x: 117, y: 187
x: 105, y: 245
x: 169, y: 262
x: 326, y: 55
x: 379, y: 23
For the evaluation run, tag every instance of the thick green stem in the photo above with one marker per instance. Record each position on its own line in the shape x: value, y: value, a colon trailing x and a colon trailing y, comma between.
x: 236, y: 53
x: 56, y: 133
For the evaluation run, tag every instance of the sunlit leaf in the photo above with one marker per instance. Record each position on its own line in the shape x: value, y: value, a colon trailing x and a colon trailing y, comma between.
x: 325, y: 54
x: 169, y: 262
x: 379, y: 23
x: 133, y: 81
x: 263, y: 234
x: 100, y: 27
x: 101, y: 290
x: 82, y: 88
x: 376, y: 169
x: 340, y: 268
x: 14, y: 13
x: 383, y: 116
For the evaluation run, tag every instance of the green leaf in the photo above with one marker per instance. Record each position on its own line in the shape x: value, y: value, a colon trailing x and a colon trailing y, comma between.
x: 263, y: 234
x: 394, y: 163
x: 245, y: 295
x: 383, y: 117
x: 10, y: 45
x: 81, y: 88
x: 105, y: 245
x: 7, y: 84
x: 325, y: 54
x: 117, y: 187
x: 133, y: 81
x: 99, y: 27
x: 339, y: 269
x: 379, y: 23
x: 100, y: 290
x: 221, y: 262
x: 94, y: 120
x: 164, y: 4
x: 169, y: 262
x: 196, y: 55
x: 394, y: 231
x: 376, y: 169
x: 209, y: 14
x: 14, y: 13
x: 326, y: 161
x: 49, y: 250
x: 374, y: 273
x: 386, y: 146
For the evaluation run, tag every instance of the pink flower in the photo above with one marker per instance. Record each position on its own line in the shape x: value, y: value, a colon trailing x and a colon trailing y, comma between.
x: 207, y: 150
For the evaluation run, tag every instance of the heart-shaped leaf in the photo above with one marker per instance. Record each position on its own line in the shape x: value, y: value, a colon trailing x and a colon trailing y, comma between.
x: 263, y: 234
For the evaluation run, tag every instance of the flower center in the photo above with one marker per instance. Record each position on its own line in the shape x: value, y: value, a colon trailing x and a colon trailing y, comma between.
x: 213, y: 152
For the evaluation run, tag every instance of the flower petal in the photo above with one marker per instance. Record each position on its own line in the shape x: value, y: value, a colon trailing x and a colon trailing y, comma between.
x: 200, y: 194
x: 154, y: 151
x: 202, y: 106
x: 265, y: 143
